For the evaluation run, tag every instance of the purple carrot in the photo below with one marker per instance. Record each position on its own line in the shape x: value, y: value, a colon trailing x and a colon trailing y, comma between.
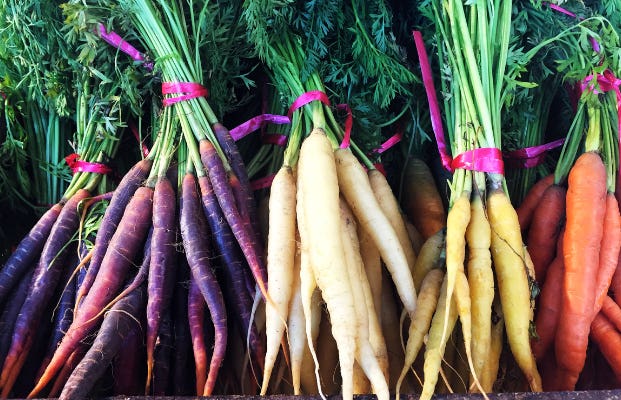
x: 244, y: 235
x: 163, y: 264
x: 248, y: 209
x: 196, y: 320
x: 10, y: 312
x: 183, y: 383
x: 194, y: 231
x: 163, y: 356
x: 235, y: 271
x: 115, y: 328
x: 128, y: 365
x: 27, y: 252
x: 131, y: 181
x: 42, y: 287
x: 124, y: 246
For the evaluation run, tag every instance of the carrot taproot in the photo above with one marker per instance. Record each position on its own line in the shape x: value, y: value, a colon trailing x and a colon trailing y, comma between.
x: 280, y: 258
x: 317, y: 174
x: 124, y: 191
x: 66, y: 371
x: 545, y: 227
x: 128, y: 374
x: 241, y: 230
x: 182, y: 362
x: 612, y: 311
x: 10, y: 312
x: 193, y: 231
x: 490, y: 372
x: 480, y: 282
x: 549, y: 307
x: 608, y: 339
x: 162, y: 356
x: 27, y: 251
x: 513, y: 285
x: 355, y: 187
x: 196, y: 317
x: 390, y: 206
x: 531, y: 201
x: 586, y: 206
x: 372, y: 267
x: 610, y: 250
x: 415, y: 236
x: 44, y: 281
x: 421, y: 199
x: 163, y: 261
x: 431, y: 255
x: 117, y: 324
x: 420, y: 323
x: 126, y: 242
x: 296, y: 328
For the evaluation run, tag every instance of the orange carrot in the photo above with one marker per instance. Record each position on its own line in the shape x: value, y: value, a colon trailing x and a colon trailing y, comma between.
x: 612, y: 311
x: 421, y: 199
x: 608, y: 339
x: 531, y: 201
x: 610, y: 247
x: 586, y: 205
x: 545, y: 228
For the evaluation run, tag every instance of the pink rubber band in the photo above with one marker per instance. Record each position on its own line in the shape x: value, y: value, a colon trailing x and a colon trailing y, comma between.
x: 262, y: 183
x: 349, y: 122
x: 605, y: 83
x: 259, y: 122
x: 191, y: 90
x: 530, y: 157
x: 389, y: 143
x: 77, y: 165
x: 305, y: 98
x: 434, y: 108
x: 486, y: 159
x: 594, y: 43
x: 113, y: 39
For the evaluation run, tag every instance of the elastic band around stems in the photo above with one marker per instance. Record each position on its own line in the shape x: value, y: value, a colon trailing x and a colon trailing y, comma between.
x: 262, y: 183
x: 190, y: 90
x: 530, y: 157
x: 258, y: 122
x: 485, y: 159
x: 434, y: 108
x: 349, y: 122
x: 145, y: 149
x: 77, y: 165
x: 389, y: 143
x: 114, y: 40
x: 308, y: 97
x: 594, y: 43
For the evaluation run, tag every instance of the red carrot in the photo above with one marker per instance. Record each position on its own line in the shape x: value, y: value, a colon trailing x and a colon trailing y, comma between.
x: 610, y: 248
x: 117, y: 324
x: 242, y: 232
x: 126, y: 188
x: 608, y: 339
x: 531, y: 201
x: 196, y: 319
x: 586, y: 205
x: 612, y: 311
x: 27, y: 251
x: 126, y: 242
x: 194, y: 230
x: 163, y: 263
x: 43, y: 285
x: 545, y: 228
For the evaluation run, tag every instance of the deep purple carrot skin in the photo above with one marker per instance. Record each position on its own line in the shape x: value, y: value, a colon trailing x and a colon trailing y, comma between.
x: 196, y: 320
x: 126, y: 188
x: 248, y: 209
x: 25, y: 255
x: 194, y: 230
x: 235, y: 267
x: 124, y: 246
x: 115, y: 328
x: 182, y: 381
x: 163, y: 264
x: 128, y: 365
x: 245, y: 236
x: 42, y: 287
x: 163, y: 357
x: 10, y: 312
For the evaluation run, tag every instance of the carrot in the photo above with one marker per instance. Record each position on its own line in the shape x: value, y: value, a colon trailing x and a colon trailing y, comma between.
x: 615, y: 283
x: 124, y: 245
x: 421, y: 199
x: 480, y: 282
x: 235, y: 272
x: 419, y: 326
x: 610, y: 250
x: 124, y: 191
x: 182, y: 362
x: 431, y: 255
x: 67, y: 370
x: 130, y: 361
x: 193, y: 230
x: 355, y: 187
x: 296, y: 331
x: 42, y: 287
x: 241, y: 230
x: 549, y: 309
x: 372, y: 359
x: 372, y: 267
x: 612, y: 311
x: 513, y: 285
x: 608, y: 339
x: 531, y: 201
x: 389, y: 205
x: 319, y: 186
x: 117, y: 324
x: 415, y: 236
x: 586, y: 206
x: 196, y: 315
x: 25, y: 255
x: 162, y: 356
x: 280, y: 258
x: 10, y: 312
x: 437, y: 340
x: 490, y: 371
x: 163, y: 260
x: 545, y: 228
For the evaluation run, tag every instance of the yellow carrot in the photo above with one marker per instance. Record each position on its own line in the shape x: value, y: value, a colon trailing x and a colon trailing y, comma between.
x: 431, y: 255
x: 372, y: 266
